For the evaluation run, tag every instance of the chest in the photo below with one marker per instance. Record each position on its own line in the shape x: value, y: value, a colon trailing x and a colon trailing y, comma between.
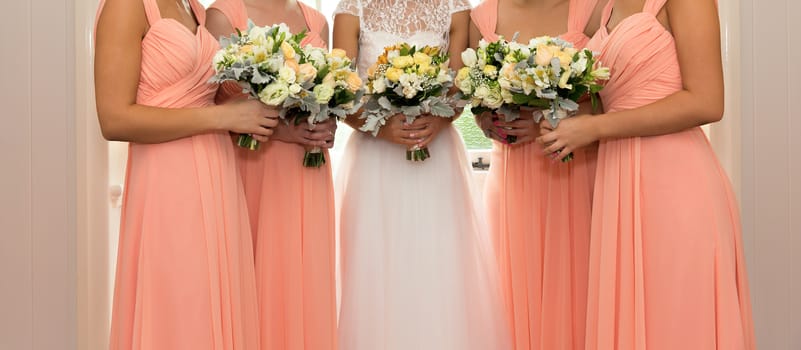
x: 531, y: 21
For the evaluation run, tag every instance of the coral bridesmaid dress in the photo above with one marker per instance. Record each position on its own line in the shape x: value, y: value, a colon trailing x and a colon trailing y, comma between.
x: 539, y: 215
x: 667, y: 266
x: 185, y: 277
x: 292, y: 216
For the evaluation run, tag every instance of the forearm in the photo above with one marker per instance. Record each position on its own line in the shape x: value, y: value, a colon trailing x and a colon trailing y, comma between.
x: 144, y: 124
x: 674, y: 113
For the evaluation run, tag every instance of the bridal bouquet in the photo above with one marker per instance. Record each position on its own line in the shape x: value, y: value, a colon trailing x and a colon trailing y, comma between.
x: 261, y: 60
x: 408, y: 80
x: 318, y: 86
x: 553, y: 78
x: 481, y: 83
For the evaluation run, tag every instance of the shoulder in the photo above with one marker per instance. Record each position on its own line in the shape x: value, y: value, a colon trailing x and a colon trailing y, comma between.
x: 314, y: 18
x: 349, y: 7
x: 233, y: 10
x: 459, y: 5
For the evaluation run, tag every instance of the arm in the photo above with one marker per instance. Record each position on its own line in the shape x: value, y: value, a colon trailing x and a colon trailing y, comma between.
x: 120, y: 30
x: 474, y: 36
x: 426, y: 128
x: 346, y: 37
x: 325, y: 34
x: 694, y: 26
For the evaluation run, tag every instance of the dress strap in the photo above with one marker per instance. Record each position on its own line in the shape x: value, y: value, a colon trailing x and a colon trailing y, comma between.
x: 199, y: 11
x: 607, y: 13
x: 579, y: 14
x: 654, y: 6
x: 152, y: 11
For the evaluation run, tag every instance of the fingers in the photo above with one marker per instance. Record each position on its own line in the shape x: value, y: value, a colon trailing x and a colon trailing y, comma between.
x: 554, y: 147
x: 268, y: 122
x: 260, y: 138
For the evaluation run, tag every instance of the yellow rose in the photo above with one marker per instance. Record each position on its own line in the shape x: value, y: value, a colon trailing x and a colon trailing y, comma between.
x: 462, y: 74
x: 354, y: 82
x: 246, y: 49
x: 402, y: 62
x: 288, y: 51
x: 491, y: 71
x: 565, y: 58
x: 544, y: 55
x: 306, y: 72
x: 421, y: 59
x: 339, y: 53
x: 393, y: 74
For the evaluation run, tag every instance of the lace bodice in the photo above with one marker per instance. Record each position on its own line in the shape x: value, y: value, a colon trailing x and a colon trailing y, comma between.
x: 386, y: 22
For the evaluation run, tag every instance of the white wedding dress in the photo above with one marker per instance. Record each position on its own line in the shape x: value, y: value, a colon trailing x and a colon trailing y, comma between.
x: 417, y: 270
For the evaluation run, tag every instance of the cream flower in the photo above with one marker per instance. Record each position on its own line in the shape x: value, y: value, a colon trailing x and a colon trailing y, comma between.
x: 274, y: 94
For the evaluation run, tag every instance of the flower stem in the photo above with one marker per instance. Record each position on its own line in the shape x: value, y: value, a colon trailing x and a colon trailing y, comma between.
x: 247, y: 141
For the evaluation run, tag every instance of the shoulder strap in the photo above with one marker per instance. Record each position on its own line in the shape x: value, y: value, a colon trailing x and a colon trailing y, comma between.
x: 579, y: 14
x: 152, y: 11
x: 607, y: 13
x: 654, y: 6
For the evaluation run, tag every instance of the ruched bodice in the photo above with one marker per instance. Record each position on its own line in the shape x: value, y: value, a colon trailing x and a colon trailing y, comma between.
x: 642, y: 55
x: 176, y: 65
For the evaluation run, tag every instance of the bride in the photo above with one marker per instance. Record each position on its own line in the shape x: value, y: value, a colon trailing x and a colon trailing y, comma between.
x: 417, y: 270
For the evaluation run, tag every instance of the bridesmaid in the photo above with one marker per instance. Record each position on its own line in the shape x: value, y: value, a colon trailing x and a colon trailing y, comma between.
x: 185, y: 278
x: 539, y: 210
x: 291, y: 207
x: 666, y: 261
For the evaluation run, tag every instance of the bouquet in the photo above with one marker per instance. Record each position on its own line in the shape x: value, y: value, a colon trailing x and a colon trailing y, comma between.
x: 553, y: 78
x: 408, y: 80
x: 479, y: 80
x: 260, y: 61
x: 318, y: 86
x: 308, y: 83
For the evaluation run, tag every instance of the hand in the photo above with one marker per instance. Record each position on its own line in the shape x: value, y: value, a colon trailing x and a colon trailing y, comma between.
x: 394, y: 131
x: 571, y: 134
x: 249, y: 117
x: 486, y: 124
x: 524, y: 129
x: 426, y: 127
x: 316, y: 135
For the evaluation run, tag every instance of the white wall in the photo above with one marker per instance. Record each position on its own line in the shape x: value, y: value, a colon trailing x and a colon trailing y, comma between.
x: 771, y: 167
x: 38, y: 187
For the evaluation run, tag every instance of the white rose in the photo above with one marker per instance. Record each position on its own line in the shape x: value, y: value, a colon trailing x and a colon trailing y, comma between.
x: 317, y: 57
x: 258, y: 33
x: 273, y: 64
x: 481, y: 92
x: 287, y: 75
x: 466, y: 86
x: 379, y: 86
x: 494, y: 99
x: 323, y: 93
x: 294, y: 89
x: 274, y: 94
x: 469, y: 57
x: 409, y: 92
x: 219, y: 57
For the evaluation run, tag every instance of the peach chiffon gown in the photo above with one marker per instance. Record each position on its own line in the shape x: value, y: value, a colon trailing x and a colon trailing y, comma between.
x: 292, y: 216
x: 539, y: 216
x: 185, y: 278
x: 667, y: 266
